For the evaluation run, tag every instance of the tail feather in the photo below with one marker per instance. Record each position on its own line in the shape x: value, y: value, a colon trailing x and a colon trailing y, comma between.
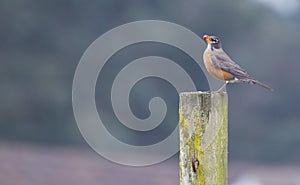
x: 262, y: 84
x: 253, y: 81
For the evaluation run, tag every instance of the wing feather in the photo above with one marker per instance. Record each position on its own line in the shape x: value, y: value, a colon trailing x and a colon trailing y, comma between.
x: 222, y: 61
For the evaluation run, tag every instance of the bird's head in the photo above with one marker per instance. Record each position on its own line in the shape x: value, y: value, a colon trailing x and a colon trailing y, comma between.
x: 212, y: 41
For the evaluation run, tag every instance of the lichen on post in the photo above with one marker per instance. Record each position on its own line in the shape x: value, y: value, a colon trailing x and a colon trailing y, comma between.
x: 203, y: 138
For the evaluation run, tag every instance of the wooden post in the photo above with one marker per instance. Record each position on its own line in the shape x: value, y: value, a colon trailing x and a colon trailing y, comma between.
x: 203, y: 138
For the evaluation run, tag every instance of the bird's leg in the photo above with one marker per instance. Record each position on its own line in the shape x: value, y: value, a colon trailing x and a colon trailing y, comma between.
x: 222, y: 87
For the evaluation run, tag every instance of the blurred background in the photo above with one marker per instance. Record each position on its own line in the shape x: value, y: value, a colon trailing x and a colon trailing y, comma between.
x: 43, y: 41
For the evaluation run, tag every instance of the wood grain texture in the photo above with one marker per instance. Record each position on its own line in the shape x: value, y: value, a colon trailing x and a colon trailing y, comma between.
x: 203, y: 138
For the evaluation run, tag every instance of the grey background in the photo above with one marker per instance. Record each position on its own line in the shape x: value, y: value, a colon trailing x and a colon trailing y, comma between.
x: 42, y: 42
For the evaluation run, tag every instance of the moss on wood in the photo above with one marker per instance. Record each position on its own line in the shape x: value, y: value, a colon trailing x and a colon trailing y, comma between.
x: 204, y: 137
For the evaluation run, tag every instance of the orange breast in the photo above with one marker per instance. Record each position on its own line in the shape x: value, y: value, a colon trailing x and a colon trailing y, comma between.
x: 216, y: 72
x: 227, y: 76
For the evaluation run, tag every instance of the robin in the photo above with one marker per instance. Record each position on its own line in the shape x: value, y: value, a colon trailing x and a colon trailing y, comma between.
x: 219, y: 64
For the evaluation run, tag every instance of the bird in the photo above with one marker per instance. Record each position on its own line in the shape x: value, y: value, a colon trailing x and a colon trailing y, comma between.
x: 222, y: 67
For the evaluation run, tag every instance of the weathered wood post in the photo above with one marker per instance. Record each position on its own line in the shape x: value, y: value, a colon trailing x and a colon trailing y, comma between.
x: 203, y: 138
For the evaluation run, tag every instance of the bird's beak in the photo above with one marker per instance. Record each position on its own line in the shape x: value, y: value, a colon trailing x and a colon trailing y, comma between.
x: 207, y: 38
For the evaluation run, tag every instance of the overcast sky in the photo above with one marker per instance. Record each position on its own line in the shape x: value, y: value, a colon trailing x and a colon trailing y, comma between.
x: 284, y: 7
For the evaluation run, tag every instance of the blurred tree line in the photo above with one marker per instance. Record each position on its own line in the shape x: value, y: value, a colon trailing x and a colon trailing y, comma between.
x: 42, y: 42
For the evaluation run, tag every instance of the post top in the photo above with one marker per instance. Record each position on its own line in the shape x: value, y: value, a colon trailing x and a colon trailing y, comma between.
x: 202, y: 92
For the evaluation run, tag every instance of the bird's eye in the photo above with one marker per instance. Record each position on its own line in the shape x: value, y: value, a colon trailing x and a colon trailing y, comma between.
x: 215, y: 40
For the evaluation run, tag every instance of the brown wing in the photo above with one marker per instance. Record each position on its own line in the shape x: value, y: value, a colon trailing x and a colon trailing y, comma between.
x: 222, y: 61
